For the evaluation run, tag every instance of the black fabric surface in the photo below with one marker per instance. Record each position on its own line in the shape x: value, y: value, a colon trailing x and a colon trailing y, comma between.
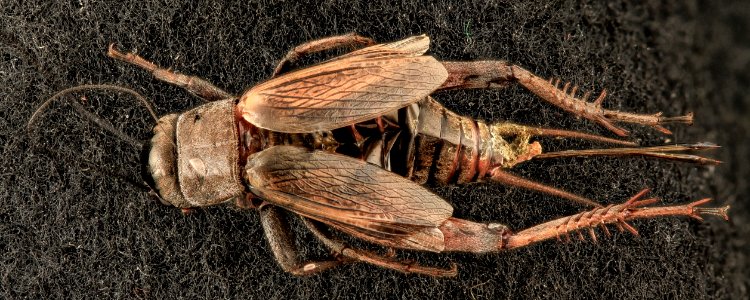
x: 69, y: 229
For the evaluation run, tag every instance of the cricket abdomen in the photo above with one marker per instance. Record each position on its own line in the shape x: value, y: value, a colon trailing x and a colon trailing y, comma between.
x: 448, y: 148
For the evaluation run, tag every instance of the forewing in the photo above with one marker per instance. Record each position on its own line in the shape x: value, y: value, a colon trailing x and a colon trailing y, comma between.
x: 349, y: 194
x: 356, y: 87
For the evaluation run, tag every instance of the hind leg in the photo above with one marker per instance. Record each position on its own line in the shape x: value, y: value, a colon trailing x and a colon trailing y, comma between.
x: 498, y: 74
x: 466, y: 236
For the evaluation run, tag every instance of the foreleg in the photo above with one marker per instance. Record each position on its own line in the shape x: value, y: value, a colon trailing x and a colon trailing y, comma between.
x: 192, y: 84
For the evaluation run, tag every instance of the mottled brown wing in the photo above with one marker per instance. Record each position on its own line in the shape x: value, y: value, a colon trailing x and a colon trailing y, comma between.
x: 351, y: 195
x: 356, y: 87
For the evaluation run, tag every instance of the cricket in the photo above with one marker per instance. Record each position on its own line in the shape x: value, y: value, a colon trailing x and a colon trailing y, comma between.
x: 348, y: 145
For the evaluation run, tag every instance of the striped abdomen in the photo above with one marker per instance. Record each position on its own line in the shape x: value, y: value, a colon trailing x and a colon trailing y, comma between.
x: 449, y: 148
x: 426, y: 142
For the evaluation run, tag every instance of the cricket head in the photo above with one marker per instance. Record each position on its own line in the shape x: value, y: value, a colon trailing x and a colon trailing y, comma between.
x: 158, y: 157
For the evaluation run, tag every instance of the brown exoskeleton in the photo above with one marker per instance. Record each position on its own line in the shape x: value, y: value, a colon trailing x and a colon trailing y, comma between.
x: 347, y: 144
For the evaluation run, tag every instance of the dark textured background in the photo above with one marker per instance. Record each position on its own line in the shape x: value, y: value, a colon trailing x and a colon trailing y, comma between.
x: 66, y: 229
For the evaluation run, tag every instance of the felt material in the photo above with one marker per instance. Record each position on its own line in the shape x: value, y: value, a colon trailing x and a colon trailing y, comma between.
x: 70, y: 228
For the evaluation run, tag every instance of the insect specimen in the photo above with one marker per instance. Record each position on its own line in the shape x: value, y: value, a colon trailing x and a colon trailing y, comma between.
x: 347, y: 144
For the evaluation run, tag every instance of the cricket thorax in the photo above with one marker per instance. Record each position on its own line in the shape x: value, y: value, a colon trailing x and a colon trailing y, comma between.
x: 194, y: 158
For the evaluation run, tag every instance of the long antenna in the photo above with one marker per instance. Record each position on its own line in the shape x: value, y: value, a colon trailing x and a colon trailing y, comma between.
x: 74, y: 89
x: 97, y: 120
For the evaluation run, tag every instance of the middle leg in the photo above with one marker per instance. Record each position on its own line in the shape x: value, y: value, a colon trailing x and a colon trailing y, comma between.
x: 351, y: 39
x: 371, y: 258
x: 281, y: 240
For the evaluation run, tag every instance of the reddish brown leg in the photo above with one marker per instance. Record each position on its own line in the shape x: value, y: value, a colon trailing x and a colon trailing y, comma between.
x: 280, y: 238
x: 466, y: 236
x: 192, y: 84
x: 374, y: 259
x: 495, y: 74
x: 611, y: 214
x: 350, y: 40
